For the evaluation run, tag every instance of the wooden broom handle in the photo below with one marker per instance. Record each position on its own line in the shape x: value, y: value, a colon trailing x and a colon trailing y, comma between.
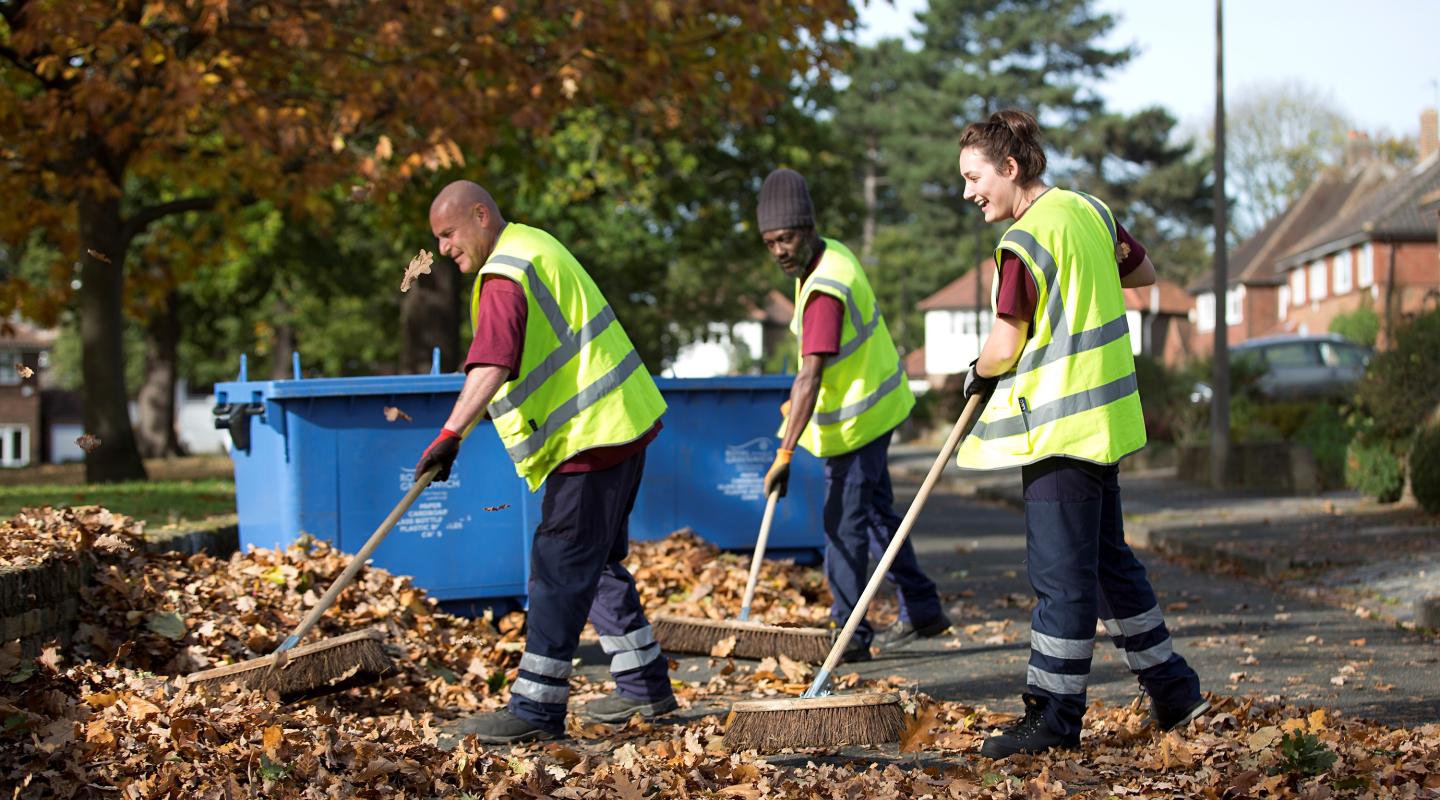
x: 759, y: 555
x: 960, y: 431
x: 357, y: 562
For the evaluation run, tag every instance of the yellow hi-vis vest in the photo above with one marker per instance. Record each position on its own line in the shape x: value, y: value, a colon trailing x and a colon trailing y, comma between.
x: 1073, y: 391
x: 581, y: 384
x: 863, y: 391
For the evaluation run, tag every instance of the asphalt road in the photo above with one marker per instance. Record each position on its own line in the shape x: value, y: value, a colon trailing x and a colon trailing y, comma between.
x: 1241, y: 636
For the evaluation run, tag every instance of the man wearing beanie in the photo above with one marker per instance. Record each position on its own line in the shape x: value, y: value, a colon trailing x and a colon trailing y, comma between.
x: 849, y: 395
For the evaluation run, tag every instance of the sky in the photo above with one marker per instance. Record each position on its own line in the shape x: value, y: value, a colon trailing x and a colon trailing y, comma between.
x: 1377, y: 60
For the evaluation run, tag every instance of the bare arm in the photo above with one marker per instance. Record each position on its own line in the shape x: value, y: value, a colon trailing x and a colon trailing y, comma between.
x: 481, y: 384
x: 1143, y: 275
x: 1002, y: 348
x: 802, y: 398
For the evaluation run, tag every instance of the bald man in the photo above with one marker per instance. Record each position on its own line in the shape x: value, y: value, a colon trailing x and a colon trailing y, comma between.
x: 575, y: 408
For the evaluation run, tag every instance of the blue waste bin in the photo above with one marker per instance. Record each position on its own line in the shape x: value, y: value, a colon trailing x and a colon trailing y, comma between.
x: 317, y: 456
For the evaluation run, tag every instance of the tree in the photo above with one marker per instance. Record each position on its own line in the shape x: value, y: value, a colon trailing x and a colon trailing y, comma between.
x: 225, y: 103
x: 1279, y: 137
x: 975, y: 57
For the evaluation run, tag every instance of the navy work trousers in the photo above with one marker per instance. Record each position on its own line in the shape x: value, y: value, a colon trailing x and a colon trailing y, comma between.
x: 860, y: 521
x: 1081, y: 569
x: 575, y: 573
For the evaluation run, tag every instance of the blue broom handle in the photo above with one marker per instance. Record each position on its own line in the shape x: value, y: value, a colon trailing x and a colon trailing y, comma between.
x: 357, y: 562
x: 821, y: 685
x: 759, y: 554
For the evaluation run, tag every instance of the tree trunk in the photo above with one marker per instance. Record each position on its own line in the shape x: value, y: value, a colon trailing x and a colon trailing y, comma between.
x: 430, y: 318
x: 156, y: 399
x: 283, y: 351
x: 102, y: 327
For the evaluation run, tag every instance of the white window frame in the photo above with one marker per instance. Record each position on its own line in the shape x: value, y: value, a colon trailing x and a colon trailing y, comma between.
x: 1365, y: 270
x: 1316, y: 284
x: 1284, y: 300
x: 1235, y: 305
x: 1205, y: 311
x: 1342, y: 275
x: 1297, y: 286
x: 7, y: 433
x: 9, y: 376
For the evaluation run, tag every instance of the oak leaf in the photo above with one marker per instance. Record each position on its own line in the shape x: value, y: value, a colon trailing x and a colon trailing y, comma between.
x: 419, y: 265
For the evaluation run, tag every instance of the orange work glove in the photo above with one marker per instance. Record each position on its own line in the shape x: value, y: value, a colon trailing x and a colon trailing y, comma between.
x: 778, y: 478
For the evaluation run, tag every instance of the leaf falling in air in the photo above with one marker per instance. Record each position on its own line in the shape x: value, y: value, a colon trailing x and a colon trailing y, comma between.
x: 25, y: 372
x: 419, y: 265
x: 501, y: 507
x: 97, y: 255
x: 88, y: 442
x: 392, y: 413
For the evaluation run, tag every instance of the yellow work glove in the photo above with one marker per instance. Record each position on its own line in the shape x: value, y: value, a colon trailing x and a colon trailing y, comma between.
x: 778, y: 478
x: 785, y: 409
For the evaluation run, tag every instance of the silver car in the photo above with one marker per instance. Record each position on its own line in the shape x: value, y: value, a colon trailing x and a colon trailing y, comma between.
x: 1298, y: 367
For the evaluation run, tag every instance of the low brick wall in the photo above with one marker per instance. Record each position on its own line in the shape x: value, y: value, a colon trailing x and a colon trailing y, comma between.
x: 1275, y: 466
x: 41, y: 603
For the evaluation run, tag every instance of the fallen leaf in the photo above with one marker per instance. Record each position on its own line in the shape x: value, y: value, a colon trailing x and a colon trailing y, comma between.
x: 273, y: 737
x: 392, y: 413
x: 419, y: 265
x: 169, y: 625
x: 723, y: 647
x: 919, y: 734
x: 626, y: 789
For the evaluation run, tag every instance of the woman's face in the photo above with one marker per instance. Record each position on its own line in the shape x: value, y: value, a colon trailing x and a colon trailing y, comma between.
x: 992, y: 188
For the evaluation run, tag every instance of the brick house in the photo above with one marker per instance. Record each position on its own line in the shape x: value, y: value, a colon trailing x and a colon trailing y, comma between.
x: 1381, y: 254
x: 1256, y: 297
x: 21, y: 417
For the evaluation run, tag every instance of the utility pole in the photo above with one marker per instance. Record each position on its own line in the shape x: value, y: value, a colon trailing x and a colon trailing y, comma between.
x: 1220, y: 379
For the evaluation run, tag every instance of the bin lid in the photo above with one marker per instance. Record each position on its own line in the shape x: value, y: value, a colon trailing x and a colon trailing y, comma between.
x: 451, y: 383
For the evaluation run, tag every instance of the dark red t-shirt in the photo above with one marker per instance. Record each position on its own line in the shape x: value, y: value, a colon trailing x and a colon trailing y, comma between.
x: 1016, y: 296
x: 500, y: 341
x: 822, y: 322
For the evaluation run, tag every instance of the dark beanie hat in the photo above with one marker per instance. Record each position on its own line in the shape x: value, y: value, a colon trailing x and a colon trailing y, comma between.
x: 785, y: 202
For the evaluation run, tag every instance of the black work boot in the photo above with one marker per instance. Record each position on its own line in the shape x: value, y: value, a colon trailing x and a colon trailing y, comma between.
x: 905, y: 632
x: 1029, y: 734
x: 1168, y: 718
x: 502, y: 727
x: 617, y: 707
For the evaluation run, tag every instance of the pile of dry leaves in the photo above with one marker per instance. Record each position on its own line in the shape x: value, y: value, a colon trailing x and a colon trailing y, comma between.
x: 103, y: 719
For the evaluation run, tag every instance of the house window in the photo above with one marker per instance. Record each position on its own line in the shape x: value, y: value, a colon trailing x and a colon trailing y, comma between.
x: 1366, y: 268
x: 1297, y: 285
x: 14, y: 445
x: 1341, y: 268
x: 1317, y: 282
x: 9, y: 376
x: 1205, y: 312
x: 967, y: 323
x: 1284, y: 300
x: 1234, y: 305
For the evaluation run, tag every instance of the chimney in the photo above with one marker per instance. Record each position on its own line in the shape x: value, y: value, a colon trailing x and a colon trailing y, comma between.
x: 1428, y: 134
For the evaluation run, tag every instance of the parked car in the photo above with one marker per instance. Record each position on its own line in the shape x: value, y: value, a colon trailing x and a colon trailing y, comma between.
x: 1297, y: 367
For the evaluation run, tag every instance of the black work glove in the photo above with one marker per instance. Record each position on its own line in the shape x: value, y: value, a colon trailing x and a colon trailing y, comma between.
x: 777, y: 479
x: 975, y: 383
x: 441, y: 453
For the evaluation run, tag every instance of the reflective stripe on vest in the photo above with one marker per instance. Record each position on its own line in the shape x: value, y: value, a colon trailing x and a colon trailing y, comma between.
x: 1071, y: 365
x: 863, y: 392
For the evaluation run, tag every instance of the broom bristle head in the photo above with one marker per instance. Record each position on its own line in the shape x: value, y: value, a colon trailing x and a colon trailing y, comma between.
x: 310, y: 670
x: 771, y: 725
x: 752, y: 639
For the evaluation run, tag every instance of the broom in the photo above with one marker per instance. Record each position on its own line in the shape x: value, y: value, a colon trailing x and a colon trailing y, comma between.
x: 752, y: 639
x: 328, y: 665
x: 819, y: 718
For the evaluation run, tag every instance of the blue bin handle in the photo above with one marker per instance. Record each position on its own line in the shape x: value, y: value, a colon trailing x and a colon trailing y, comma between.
x: 233, y: 417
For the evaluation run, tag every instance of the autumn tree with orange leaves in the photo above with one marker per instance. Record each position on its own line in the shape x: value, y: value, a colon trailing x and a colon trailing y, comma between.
x: 213, y: 104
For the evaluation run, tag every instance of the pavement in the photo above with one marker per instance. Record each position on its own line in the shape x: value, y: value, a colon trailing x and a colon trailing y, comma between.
x: 1305, y: 600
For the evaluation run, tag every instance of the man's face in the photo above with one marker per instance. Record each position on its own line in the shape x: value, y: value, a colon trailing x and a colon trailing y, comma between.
x: 463, y: 234
x: 792, y: 248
